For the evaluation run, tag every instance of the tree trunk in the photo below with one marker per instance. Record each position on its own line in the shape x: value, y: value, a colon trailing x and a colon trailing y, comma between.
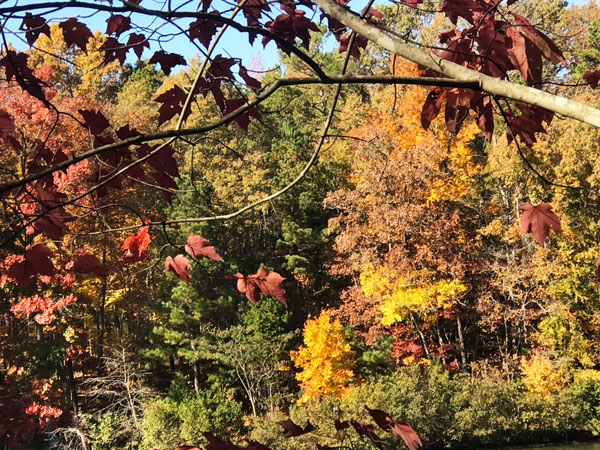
x: 461, y: 342
x: 101, y: 319
x: 72, y: 386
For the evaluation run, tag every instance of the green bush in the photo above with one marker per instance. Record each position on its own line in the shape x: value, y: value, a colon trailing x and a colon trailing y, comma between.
x: 182, y: 418
x: 110, y: 430
x: 447, y: 412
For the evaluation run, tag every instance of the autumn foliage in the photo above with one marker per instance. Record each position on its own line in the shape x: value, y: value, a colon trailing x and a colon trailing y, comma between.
x: 410, y: 222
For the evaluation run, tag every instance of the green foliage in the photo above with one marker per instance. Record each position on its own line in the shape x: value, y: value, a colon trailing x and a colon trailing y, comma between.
x: 107, y: 431
x: 183, y: 417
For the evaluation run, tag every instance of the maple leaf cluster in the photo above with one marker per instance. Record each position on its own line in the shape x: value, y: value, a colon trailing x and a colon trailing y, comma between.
x: 265, y: 281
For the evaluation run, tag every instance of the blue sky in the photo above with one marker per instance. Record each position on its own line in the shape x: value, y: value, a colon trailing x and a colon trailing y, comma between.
x: 232, y: 40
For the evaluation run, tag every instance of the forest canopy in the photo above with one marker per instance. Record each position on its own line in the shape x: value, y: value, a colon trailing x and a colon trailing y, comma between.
x: 401, y: 213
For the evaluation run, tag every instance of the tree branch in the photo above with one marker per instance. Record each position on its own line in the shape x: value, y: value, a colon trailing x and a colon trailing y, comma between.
x: 494, y: 86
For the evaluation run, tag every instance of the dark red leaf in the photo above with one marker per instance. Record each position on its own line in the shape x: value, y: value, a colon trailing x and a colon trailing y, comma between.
x: 113, y: 49
x: 358, y: 44
x: 375, y: 13
x: 592, y: 78
x: 163, y: 160
x: 138, y: 42
x: 197, y: 247
x: 172, y: 103
x: 366, y: 430
x: 33, y: 27
x: 134, y: 246
x: 220, y: 69
x: 341, y: 425
x: 216, y: 443
x: 251, y: 82
x: 398, y: 429
x: 253, y: 10
x: 88, y: 263
x: 37, y: 262
x: 7, y: 125
x: 125, y: 132
x: 528, y: 123
x: 539, y: 220
x: 548, y: 48
x: 485, y: 117
x: 52, y: 225
x: 470, y: 10
x: 598, y: 271
x: 15, y: 65
x: 432, y: 106
x: 167, y: 60
x: 204, y: 30
x: 290, y: 429
x: 265, y: 281
x: 336, y: 27
x: 243, y: 119
x: 252, y: 445
x: 76, y: 33
x: 180, y: 266
x: 290, y: 27
x: 117, y: 24
x: 95, y: 121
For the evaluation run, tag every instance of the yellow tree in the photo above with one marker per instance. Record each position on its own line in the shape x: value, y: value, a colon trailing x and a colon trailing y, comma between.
x: 325, y: 358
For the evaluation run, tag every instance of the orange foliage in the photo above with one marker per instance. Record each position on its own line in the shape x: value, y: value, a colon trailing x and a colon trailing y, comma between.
x: 326, y: 359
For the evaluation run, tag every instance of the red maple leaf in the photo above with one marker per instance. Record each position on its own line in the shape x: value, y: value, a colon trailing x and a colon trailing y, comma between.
x: 359, y: 43
x: 291, y: 26
x: 545, y: 45
x: 592, y: 78
x: 180, y: 266
x: 163, y: 160
x: 117, y: 24
x: 114, y: 50
x: 265, y: 281
x: 398, y: 429
x: 220, y: 68
x: 243, y: 119
x: 94, y: 120
x: 15, y: 65
x: 76, y: 33
x: 167, y: 60
x: 138, y: 42
x: 87, y: 263
x: 33, y: 27
x: 172, y: 103
x: 204, y: 30
x: 7, y: 125
x: 290, y: 429
x: 134, y: 246
x: 36, y: 261
x: 539, y: 220
x: 432, y: 106
x: 197, y: 247
x: 251, y: 82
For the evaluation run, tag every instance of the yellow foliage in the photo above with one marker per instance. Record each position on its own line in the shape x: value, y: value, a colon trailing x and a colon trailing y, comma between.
x: 401, y: 295
x: 87, y: 75
x: 587, y: 374
x: 540, y: 376
x: 325, y: 358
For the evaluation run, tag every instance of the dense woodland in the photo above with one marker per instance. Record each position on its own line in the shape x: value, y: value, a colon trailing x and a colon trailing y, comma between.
x: 411, y: 284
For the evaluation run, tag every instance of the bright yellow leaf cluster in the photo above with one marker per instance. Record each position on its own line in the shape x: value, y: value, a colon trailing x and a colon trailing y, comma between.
x: 401, y: 295
x: 540, y: 376
x: 325, y: 358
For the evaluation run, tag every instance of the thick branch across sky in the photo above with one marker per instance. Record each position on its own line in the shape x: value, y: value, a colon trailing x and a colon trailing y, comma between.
x: 491, y: 85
